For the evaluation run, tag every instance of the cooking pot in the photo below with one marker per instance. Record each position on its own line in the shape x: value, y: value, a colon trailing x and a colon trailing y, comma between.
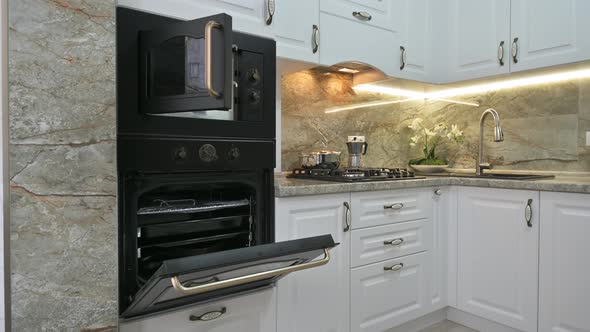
x: 329, y: 159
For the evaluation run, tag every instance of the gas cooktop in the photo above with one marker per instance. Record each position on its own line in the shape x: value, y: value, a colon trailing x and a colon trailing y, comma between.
x: 354, y: 174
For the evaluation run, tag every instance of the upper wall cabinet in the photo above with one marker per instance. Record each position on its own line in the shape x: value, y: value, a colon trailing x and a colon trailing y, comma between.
x: 378, y: 13
x: 248, y: 15
x: 415, y: 49
x: 296, y: 29
x: 549, y: 32
x: 478, y: 39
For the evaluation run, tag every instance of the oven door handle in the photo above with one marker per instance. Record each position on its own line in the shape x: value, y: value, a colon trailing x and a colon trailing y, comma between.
x: 179, y: 287
x: 209, y: 57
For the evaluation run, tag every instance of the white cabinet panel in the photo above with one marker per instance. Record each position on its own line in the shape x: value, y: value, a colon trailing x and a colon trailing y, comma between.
x: 369, y: 208
x: 343, y: 40
x: 477, y: 28
x: 415, y: 42
x: 247, y: 15
x: 383, y: 14
x: 316, y: 299
x: 382, y: 299
x: 444, y: 210
x: 550, y: 32
x: 498, y: 256
x: 293, y: 25
x: 369, y: 245
x: 564, y: 271
x: 255, y: 312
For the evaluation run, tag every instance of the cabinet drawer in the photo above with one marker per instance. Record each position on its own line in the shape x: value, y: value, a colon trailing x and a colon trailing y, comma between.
x: 382, y: 299
x: 382, y: 13
x: 253, y: 312
x: 386, y: 207
x: 380, y: 243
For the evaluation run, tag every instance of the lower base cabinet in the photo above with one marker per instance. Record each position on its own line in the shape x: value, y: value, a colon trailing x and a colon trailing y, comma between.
x: 389, y: 293
x: 564, y: 270
x: 252, y: 312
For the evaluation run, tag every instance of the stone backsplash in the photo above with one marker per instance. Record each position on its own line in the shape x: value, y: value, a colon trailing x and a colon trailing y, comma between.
x: 62, y: 165
x: 544, y: 125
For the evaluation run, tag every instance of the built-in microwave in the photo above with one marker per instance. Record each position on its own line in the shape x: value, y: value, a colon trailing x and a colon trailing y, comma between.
x: 193, y: 78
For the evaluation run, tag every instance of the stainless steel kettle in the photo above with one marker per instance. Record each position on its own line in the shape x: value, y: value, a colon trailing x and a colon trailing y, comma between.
x: 357, y: 147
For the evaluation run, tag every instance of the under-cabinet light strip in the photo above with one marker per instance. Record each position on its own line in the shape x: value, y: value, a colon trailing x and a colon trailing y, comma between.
x: 381, y: 103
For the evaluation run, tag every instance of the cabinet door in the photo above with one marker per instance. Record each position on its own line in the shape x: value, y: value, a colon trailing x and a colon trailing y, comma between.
x: 498, y: 256
x: 247, y: 15
x: 254, y: 312
x: 477, y: 30
x: 388, y: 294
x: 377, y: 13
x: 317, y: 299
x: 342, y: 40
x: 549, y: 32
x: 294, y: 31
x: 414, y: 50
x: 564, y: 269
x: 445, y: 205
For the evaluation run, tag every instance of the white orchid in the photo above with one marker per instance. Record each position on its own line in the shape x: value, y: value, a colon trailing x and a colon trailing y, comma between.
x: 429, y: 138
x: 416, y: 124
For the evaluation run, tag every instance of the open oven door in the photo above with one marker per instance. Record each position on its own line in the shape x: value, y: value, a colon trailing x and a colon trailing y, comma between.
x: 193, y: 279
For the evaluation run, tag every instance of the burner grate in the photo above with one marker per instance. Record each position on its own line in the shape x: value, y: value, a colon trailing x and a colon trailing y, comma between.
x: 354, y: 174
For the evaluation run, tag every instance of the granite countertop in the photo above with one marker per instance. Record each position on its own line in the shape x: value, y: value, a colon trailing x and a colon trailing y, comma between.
x: 286, y: 187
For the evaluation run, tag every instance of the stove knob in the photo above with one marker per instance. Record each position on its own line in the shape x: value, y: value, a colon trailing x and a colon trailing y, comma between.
x: 254, y: 97
x: 180, y: 153
x: 253, y: 75
x: 233, y: 153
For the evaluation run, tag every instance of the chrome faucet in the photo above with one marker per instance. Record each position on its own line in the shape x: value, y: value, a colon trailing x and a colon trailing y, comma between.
x: 498, y: 137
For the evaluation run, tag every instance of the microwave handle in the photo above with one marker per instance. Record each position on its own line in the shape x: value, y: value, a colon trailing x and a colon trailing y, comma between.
x: 209, y: 57
x: 179, y: 287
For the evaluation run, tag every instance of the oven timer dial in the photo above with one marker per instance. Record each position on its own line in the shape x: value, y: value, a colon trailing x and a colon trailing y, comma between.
x: 180, y: 153
x: 207, y: 153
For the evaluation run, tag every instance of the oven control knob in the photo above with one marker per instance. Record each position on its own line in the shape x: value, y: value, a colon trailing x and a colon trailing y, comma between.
x: 180, y: 153
x: 254, y: 97
x: 233, y: 153
x: 207, y: 153
x: 253, y: 75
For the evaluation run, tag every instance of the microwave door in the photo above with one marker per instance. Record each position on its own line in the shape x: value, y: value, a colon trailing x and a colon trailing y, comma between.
x: 187, y: 66
x: 189, y: 280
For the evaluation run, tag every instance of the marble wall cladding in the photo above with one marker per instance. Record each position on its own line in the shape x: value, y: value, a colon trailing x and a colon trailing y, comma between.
x: 544, y: 125
x: 62, y: 165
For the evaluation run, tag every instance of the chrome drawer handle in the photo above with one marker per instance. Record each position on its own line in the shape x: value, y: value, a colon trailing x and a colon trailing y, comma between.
x: 394, y: 268
x: 211, y: 315
x: 528, y: 213
x: 347, y: 217
x: 363, y: 16
x: 394, y: 242
x: 394, y: 206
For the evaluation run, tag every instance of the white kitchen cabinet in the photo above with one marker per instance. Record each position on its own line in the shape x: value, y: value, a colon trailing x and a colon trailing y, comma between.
x: 564, y: 270
x: 252, y: 312
x: 549, y: 32
x: 317, y: 299
x: 443, y: 211
x: 389, y: 293
x: 247, y: 15
x: 498, y: 255
x: 343, y: 40
x: 478, y: 39
x: 294, y: 24
x: 383, y: 14
x: 415, y: 42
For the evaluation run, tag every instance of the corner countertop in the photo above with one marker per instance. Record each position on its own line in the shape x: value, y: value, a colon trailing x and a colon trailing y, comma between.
x: 286, y: 187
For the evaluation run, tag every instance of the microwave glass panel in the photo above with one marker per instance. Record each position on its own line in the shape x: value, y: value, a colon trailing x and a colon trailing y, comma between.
x: 179, y: 67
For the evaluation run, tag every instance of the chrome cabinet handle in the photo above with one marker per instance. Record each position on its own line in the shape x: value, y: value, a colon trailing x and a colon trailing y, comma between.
x: 315, y: 39
x: 182, y: 289
x: 270, y: 11
x: 402, y: 58
x: 515, y: 50
x: 347, y: 217
x: 438, y: 192
x: 211, y: 315
x: 209, y: 57
x: 394, y: 242
x: 394, y: 206
x: 395, y: 267
x: 528, y: 213
x: 501, y: 53
x: 363, y: 16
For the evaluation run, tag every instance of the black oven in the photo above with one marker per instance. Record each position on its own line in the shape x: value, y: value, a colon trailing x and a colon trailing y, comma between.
x: 194, y: 78
x: 195, y: 167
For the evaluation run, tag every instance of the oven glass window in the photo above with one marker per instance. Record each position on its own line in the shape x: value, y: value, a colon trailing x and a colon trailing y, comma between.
x: 179, y: 67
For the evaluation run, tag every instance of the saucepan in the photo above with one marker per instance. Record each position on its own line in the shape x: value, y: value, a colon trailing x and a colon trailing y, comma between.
x: 329, y: 159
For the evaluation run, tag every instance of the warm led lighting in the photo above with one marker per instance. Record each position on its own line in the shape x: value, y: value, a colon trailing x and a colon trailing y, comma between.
x: 348, y: 70
x: 455, y: 101
x: 479, y: 88
x: 363, y: 105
